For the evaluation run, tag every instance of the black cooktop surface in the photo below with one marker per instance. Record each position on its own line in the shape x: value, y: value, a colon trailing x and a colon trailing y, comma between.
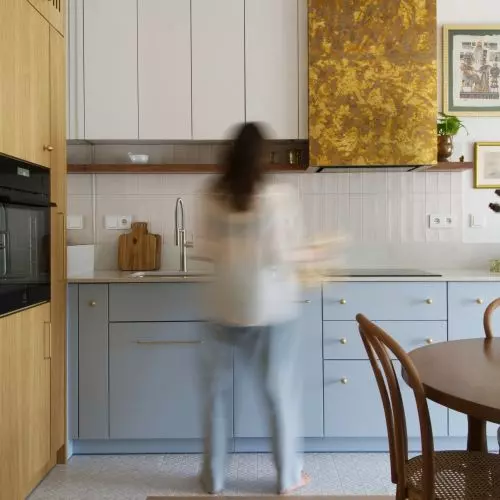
x: 374, y: 273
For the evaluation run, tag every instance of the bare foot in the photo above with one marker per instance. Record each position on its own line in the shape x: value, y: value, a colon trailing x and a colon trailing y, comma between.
x: 305, y: 479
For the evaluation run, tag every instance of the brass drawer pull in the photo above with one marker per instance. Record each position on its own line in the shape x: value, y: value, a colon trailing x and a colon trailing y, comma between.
x: 92, y: 303
x: 343, y: 302
x: 479, y: 301
x: 429, y: 301
x: 343, y: 341
x: 168, y: 342
x: 344, y: 380
x: 48, y: 148
x: 429, y: 341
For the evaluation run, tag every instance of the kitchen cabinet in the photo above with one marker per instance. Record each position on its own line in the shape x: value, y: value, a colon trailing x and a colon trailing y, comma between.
x: 75, y: 71
x: 25, y: 455
x: 251, y: 416
x: 271, y: 58
x: 143, y: 302
x: 93, y: 394
x: 353, y: 406
x: 164, y: 50
x: 218, y: 30
x: 423, y: 301
x: 341, y: 339
x: 58, y: 242
x: 466, y: 305
x: 162, y: 397
x: 110, y: 59
x: 54, y: 11
x: 25, y: 90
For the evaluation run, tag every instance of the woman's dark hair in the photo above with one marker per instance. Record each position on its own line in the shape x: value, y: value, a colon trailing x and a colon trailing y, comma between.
x: 243, y: 169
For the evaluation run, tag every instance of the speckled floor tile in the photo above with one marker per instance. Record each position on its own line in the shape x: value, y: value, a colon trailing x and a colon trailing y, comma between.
x: 135, y: 477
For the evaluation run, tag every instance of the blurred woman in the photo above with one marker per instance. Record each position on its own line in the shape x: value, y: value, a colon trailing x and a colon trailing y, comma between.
x: 251, y: 232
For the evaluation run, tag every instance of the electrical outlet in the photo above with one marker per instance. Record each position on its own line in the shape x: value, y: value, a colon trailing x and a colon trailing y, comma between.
x: 435, y: 221
x: 440, y: 221
x: 124, y: 222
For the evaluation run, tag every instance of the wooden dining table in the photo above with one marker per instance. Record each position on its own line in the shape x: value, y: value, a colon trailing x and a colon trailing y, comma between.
x: 463, y: 375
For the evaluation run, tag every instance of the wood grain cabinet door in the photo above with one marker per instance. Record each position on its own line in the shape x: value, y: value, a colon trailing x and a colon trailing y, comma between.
x: 24, y: 86
x: 24, y: 401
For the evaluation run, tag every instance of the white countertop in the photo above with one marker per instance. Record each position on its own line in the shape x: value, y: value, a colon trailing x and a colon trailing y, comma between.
x: 125, y: 277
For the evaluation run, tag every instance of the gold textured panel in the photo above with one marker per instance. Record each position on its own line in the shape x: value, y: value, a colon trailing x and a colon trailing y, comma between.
x: 372, y: 82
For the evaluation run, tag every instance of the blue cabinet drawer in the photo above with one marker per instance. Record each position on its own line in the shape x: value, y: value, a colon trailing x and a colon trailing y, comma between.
x: 353, y: 406
x: 466, y: 305
x: 341, y: 339
x: 385, y: 301
x: 155, y: 302
x: 155, y: 384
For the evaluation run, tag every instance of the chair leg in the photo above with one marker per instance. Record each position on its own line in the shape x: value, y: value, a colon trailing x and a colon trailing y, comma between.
x: 401, y: 493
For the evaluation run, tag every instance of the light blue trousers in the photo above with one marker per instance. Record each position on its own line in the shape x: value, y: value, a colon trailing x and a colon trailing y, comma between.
x: 272, y: 353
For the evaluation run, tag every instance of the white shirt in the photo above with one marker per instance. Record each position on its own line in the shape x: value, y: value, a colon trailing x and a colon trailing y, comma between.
x: 253, y: 255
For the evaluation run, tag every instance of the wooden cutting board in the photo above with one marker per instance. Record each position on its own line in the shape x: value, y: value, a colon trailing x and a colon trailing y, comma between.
x: 139, y: 250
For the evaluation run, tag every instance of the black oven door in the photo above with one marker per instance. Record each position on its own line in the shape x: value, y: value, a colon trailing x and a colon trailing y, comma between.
x: 24, y: 256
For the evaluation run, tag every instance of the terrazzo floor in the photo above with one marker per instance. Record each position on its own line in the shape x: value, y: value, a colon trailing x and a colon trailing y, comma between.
x: 134, y: 477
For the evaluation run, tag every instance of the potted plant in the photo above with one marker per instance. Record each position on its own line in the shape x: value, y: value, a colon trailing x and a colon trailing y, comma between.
x: 447, y: 127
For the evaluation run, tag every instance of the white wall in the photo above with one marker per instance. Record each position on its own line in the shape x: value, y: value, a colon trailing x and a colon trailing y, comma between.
x: 468, y: 12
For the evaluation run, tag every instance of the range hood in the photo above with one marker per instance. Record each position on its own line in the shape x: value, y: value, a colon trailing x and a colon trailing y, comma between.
x: 372, y: 84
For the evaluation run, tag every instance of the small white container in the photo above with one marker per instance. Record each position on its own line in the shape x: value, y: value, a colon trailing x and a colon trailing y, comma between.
x: 80, y: 259
x: 141, y: 159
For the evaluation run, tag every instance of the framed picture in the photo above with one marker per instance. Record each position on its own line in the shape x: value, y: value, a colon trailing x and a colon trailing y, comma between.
x: 487, y: 165
x: 471, y: 70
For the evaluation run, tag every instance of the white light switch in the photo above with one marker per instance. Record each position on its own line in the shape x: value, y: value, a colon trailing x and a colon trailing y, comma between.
x: 477, y: 221
x: 74, y: 222
x: 111, y: 222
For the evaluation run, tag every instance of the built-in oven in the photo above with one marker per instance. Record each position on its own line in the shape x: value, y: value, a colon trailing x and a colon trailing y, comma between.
x: 24, y: 234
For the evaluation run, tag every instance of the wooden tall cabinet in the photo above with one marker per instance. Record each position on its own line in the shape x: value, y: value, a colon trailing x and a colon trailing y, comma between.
x: 58, y: 243
x: 32, y: 342
x: 25, y: 366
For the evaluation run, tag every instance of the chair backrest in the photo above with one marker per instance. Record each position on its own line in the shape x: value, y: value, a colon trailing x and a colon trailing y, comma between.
x: 378, y: 344
x: 487, y: 318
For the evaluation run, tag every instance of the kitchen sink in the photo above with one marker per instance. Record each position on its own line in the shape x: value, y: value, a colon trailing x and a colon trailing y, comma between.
x: 169, y: 274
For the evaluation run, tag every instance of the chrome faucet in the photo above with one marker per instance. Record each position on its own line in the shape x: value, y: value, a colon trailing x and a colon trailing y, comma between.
x: 180, y: 234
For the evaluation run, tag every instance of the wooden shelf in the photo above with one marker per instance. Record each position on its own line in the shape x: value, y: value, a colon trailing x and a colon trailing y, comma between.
x: 130, y: 168
x: 450, y: 166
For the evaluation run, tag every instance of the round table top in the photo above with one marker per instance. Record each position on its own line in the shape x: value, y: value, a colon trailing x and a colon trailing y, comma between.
x: 463, y: 375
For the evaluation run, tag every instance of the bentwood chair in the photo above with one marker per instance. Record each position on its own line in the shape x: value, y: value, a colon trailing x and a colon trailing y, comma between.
x: 431, y: 475
x: 488, y: 331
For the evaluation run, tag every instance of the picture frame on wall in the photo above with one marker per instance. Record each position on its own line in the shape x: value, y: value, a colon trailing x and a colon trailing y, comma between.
x: 471, y: 70
x: 487, y: 165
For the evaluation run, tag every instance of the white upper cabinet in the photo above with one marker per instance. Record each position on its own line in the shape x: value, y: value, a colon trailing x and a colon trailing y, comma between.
x: 218, y: 67
x: 303, y: 70
x: 272, y: 83
x: 110, y: 63
x: 75, y: 125
x: 164, y: 69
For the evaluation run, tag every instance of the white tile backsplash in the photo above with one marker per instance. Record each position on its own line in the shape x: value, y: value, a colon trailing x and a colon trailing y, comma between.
x: 370, y: 209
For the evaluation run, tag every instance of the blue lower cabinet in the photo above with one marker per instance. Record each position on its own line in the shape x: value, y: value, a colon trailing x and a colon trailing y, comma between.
x: 155, y: 380
x: 251, y: 415
x: 353, y: 406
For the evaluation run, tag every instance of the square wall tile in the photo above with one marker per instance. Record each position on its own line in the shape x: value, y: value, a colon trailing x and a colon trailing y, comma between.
x: 79, y: 184
x: 113, y: 184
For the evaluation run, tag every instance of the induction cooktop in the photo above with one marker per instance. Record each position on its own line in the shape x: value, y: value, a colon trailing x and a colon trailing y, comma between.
x: 374, y: 273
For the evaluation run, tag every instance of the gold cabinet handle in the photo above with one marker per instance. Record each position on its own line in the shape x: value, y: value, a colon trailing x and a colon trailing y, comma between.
x: 62, y: 229
x: 344, y: 380
x: 48, y: 147
x: 168, y: 342
x: 479, y: 301
x: 343, y: 341
x: 343, y: 302
x: 92, y: 303
x: 47, y: 340
x: 429, y: 341
x: 305, y: 301
x: 429, y: 301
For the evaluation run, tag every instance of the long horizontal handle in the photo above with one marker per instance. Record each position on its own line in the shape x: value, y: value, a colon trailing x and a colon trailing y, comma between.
x: 168, y: 342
